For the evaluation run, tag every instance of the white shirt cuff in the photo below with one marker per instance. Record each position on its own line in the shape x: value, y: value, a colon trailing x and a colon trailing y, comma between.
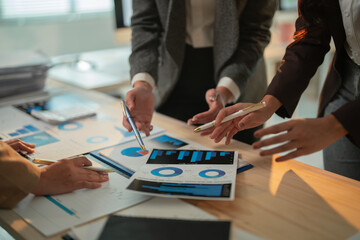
x: 231, y: 86
x: 145, y: 77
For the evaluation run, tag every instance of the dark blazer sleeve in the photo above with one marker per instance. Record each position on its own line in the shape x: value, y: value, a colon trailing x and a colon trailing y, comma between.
x: 254, y: 26
x: 299, y: 64
x: 349, y: 117
x: 302, y: 59
x: 146, y: 29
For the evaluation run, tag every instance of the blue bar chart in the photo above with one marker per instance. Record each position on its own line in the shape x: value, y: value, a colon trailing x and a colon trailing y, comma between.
x: 161, y: 156
x: 24, y: 130
x: 196, y: 190
x: 40, y: 139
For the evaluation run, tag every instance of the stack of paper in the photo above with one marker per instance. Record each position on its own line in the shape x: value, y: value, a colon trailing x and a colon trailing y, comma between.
x: 21, y: 72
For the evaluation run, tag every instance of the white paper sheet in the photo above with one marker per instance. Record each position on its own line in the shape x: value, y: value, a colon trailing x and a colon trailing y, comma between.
x: 82, y: 136
x: 54, y: 214
x: 15, y: 123
x: 187, y: 174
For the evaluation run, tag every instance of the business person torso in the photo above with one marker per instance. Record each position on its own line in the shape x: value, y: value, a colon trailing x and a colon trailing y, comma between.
x: 240, y: 34
x: 340, y: 93
x: 301, y: 62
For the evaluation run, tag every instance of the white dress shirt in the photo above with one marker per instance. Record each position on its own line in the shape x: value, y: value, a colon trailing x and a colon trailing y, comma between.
x: 350, y: 11
x: 200, y: 17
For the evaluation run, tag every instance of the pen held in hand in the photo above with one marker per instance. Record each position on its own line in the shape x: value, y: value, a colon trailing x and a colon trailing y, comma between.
x: 239, y: 113
x: 49, y: 162
x: 133, y: 126
x: 44, y: 161
x: 98, y: 169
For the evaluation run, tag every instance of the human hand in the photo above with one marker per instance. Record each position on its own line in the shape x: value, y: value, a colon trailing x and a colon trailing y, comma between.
x: 68, y: 175
x: 19, y: 145
x: 140, y: 102
x: 216, y: 102
x: 253, y: 119
x: 301, y: 137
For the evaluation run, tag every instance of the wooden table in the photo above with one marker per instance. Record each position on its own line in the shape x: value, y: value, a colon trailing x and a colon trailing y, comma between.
x: 287, y: 200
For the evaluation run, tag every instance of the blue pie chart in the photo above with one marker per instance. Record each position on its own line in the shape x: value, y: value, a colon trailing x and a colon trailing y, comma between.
x: 166, y: 172
x: 133, y: 152
x: 97, y: 139
x: 70, y: 126
x: 212, y: 173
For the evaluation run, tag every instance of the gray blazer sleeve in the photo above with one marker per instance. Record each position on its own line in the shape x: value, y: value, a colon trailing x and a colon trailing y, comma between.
x: 254, y: 25
x: 146, y: 29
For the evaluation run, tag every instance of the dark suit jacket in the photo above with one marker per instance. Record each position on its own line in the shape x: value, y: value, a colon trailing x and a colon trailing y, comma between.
x: 300, y: 63
x: 241, y: 32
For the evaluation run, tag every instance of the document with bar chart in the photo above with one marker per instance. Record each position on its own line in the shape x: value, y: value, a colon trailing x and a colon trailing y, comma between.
x: 67, y: 139
x: 132, y: 157
x: 183, y: 173
x: 16, y: 124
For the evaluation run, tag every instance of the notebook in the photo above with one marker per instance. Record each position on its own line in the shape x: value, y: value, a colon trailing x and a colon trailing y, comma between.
x: 136, y: 228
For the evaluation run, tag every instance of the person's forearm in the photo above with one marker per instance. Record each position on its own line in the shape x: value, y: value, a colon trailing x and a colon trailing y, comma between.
x: 272, y: 103
x: 335, y: 126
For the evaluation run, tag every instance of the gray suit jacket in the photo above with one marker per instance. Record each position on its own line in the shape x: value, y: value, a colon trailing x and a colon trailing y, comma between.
x: 241, y: 32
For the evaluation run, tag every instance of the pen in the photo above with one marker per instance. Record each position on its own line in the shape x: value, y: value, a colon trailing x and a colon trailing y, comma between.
x: 49, y: 162
x: 98, y: 169
x: 133, y: 126
x: 239, y: 113
x: 43, y: 161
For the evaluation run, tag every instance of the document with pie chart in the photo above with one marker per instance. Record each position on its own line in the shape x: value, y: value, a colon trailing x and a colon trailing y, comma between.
x: 131, y: 156
x: 70, y: 138
x: 187, y: 173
